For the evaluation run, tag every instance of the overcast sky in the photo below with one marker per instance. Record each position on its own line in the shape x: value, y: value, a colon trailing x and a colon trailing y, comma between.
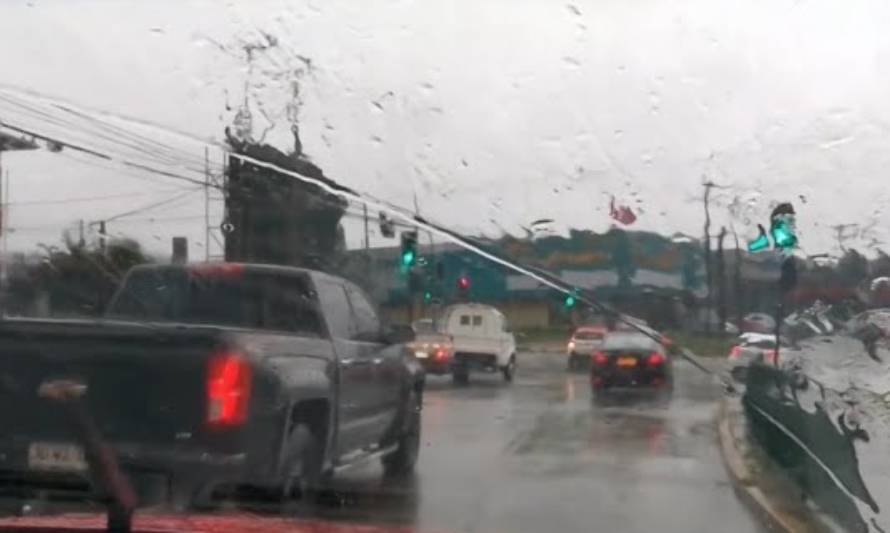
x: 490, y: 114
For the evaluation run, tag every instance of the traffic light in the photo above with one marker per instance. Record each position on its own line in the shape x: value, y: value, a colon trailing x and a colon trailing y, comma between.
x: 427, y: 296
x: 761, y: 242
x: 463, y: 287
x: 571, y: 299
x: 408, y: 257
x: 782, y: 227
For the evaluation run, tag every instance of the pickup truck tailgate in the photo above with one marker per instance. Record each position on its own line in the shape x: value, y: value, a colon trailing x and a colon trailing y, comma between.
x: 142, y: 384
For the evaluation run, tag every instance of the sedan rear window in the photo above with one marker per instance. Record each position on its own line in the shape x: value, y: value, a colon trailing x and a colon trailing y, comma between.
x: 624, y: 341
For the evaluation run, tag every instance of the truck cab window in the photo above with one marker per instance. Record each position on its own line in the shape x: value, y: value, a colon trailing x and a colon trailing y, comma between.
x: 332, y: 296
x: 367, y: 321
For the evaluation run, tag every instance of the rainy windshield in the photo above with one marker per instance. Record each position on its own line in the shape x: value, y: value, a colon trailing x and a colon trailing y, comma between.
x: 315, y: 265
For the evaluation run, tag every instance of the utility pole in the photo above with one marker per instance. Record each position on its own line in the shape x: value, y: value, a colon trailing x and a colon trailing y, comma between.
x: 102, y: 236
x: 81, y: 239
x: 737, y: 279
x: 721, y: 282
x: 708, y: 185
x: 367, y: 239
x: 8, y: 143
x: 206, y: 204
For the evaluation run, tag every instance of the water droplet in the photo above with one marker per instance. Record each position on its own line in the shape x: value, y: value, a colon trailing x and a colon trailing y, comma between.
x: 618, y: 134
x: 571, y: 61
x: 574, y: 10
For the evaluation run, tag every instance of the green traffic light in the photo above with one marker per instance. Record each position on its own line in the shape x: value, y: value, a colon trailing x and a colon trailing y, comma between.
x: 407, y: 258
x: 570, y: 301
x: 783, y: 235
x: 427, y: 296
x: 760, y: 243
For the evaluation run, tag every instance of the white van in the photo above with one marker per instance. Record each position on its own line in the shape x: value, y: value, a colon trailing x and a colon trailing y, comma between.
x: 481, y: 340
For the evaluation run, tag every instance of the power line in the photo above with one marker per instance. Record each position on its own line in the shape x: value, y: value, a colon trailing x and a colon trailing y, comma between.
x: 153, y: 205
x: 164, y: 154
x: 102, y: 155
x: 31, y: 97
x: 83, y: 199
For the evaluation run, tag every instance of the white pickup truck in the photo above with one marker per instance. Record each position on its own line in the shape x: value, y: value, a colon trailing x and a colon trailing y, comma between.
x: 481, y: 340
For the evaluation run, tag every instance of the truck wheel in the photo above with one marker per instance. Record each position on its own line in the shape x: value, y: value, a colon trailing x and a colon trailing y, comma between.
x: 119, y: 520
x: 460, y: 376
x: 307, y: 482
x: 402, y: 460
x: 510, y: 370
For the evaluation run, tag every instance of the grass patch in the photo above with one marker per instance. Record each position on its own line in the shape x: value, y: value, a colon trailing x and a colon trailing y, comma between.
x: 703, y: 345
x: 543, y: 335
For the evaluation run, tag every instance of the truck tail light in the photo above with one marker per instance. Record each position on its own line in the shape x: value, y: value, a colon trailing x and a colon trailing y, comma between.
x: 229, y: 378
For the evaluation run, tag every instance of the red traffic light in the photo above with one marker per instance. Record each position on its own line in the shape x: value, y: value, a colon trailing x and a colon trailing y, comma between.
x: 463, y: 283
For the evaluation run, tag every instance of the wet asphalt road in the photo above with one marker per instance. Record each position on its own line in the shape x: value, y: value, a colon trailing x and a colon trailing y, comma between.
x: 538, y: 456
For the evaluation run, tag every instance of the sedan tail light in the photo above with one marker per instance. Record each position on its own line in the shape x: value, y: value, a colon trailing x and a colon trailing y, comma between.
x: 769, y: 356
x: 655, y: 359
x: 735, y: 352
x: 599, y: 358
x: 229, y: 378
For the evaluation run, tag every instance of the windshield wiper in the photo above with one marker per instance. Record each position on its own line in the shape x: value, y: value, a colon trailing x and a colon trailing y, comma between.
x: 100, y: 457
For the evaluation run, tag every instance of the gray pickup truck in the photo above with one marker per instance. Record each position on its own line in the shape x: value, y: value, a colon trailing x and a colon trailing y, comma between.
x: 206, y: 381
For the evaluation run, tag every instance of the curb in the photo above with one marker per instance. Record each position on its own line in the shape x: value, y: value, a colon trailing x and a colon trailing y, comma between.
x: 744, y: 484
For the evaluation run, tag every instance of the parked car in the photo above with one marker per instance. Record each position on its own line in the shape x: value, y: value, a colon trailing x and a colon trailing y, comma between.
x: 751, y: 347
x: 583, y: 342
x: 481, y: 341
x: 205, y: 381
x: 630, y: 360
x: 758, y: 323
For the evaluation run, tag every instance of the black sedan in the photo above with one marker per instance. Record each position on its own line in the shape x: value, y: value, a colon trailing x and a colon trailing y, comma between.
x: 630, y: 360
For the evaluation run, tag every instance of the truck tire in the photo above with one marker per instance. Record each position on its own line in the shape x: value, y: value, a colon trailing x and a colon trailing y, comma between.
x: 460, y: 376
x: 119, y: 520
x: 308, y: 481
x: 510, y: 370
x: 401, y: 462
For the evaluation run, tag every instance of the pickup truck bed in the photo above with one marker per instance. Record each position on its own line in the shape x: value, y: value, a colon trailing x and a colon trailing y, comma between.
x: 196, y: 411
x: 146, y: 392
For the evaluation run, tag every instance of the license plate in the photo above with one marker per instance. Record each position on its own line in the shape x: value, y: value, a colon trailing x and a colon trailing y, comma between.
x: 627, y: 361
x: 59, y: 457
x: 421, y: 355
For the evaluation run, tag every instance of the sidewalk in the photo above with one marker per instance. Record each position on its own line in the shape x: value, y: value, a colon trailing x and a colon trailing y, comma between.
x: 759, y: 481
